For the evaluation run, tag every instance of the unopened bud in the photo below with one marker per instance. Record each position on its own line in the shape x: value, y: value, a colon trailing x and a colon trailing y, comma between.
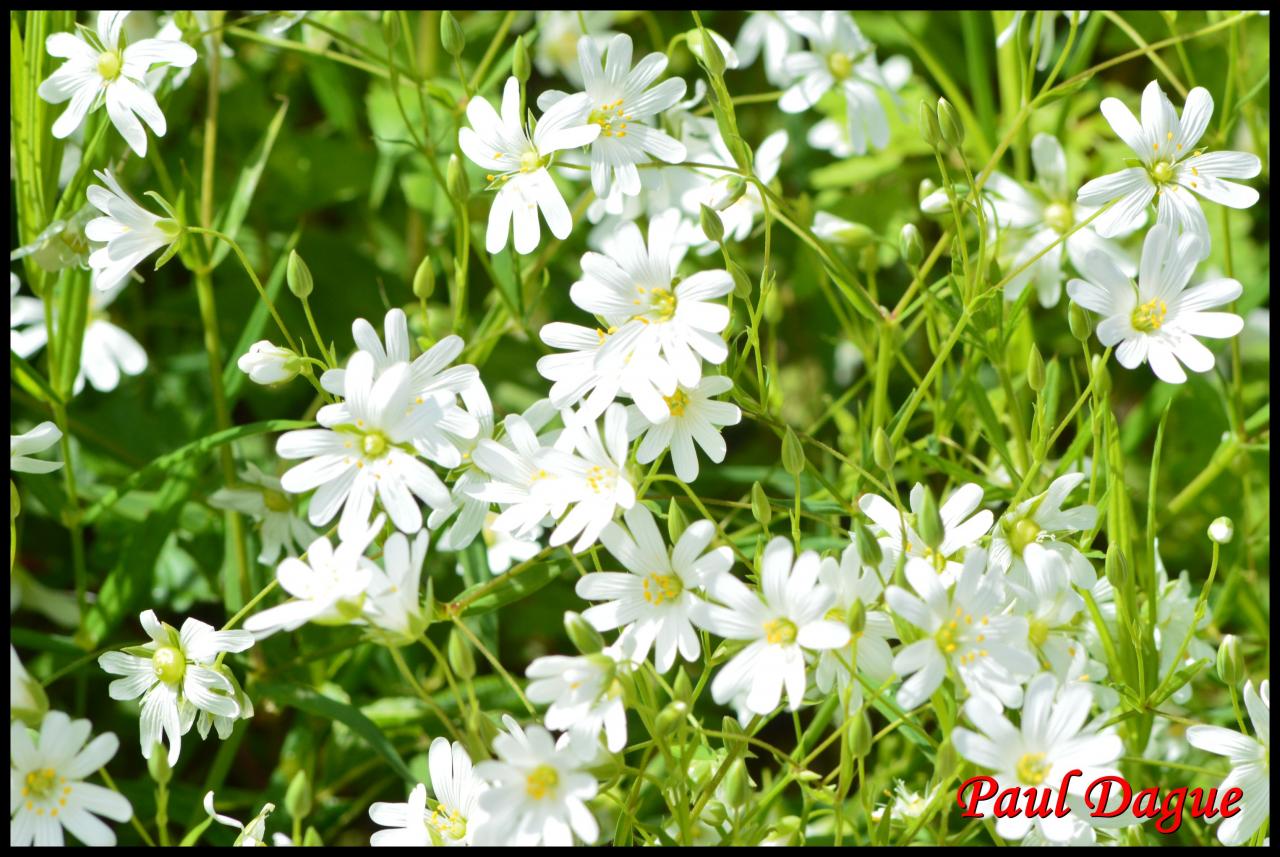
x: 792, y: 453
x: 945, y: 763
x: 682, y: 687
x: 929, y: 128
x: 736, y: 785
x: 669, y: 719
x: 456, y: 180
x: 860, y: 735
x: 1035, y: 369
x: 676, y: 521
x: 298, y: 276
x: 158, y: 765
x: 452, y: 38
x: 1078, y: 321
x: 882, y: 450
x: 910, y: 245
x: 297, y: 799
x: 1221, y: 530
x: 950, y: 125
x: 741, y: 282
x: 1115, y: 567
x: 461, y: 659
x: 1230, y: 660
x: 712, y: 225
x: 424, y: 280
x: 760, y: 508
x: 707, y: 50
x: 869, y: 549
x: 857, y: 618
x: 932, y: 530
x: 520, y: 60
x: 584, y: 637
x: 1101, y: 376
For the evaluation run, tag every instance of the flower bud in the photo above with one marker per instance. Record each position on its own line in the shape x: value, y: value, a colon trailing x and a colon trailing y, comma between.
x: 950, y: 125
x: 712, y: 225
x: 1078, y: 321
x: 669, y: 719
x: 265, y: 363
x: 741, y: 283
x: 860, y: 735
x: 929, y: 128
x: 452, y: 38
x: 1221, y: 530
x: 869, y: 549
x: 910, y: 245
x: 1101, y: 376
x: 760, y: 508
x: 584, y: 637
x: 158, y: 765
x: 736, y: 784
x: 520, y: 60
x: 928, y: 187
x: 1230, y: 660
x: 298, y: 276
x: 945, y: 762
x: 424, y: 280
x: 297, y: 799
x: 456, y: 180
x: 682, y: 687
x: 932, y: 530
x: 713, y: 52
x: 676, y: 521
x: 461, y: 659
x: 732, y: 733
x: 1035, y: 369
x: 792, y: 453
x: 845, y: 232
x: 1115, y: 567
x: 882, y: 450
x: 857, y: 620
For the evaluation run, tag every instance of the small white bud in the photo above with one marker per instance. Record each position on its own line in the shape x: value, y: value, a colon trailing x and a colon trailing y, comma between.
x: 265, y: 363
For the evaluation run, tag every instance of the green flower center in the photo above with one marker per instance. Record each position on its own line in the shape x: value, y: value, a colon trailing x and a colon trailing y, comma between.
x: 659, y: 588
x: 840, y: 65
x: 780, y: 632
x: 541, y: 782
x: 1022, y: 534
x: 1038, y: 631
x: 40, y: 783
x: 375, y: 444
x: 169, y: 663
x: 1150, y: 316
x: 677, y: 403
x: 611, y: 118
x: 276, y: 502
x: 449, y: 822
x: 1059, y: 217
x: 1162, y: 172
x: 531, y: 161
x: 109, y: 65
x: 1032, y: 769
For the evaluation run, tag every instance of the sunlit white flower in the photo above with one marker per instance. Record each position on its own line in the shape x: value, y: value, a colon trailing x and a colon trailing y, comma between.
x: 1250, y: 764
x: 764, y: 33
x: 719, y: 187
x: 584, y: 374
x: 531, y: 481
x: 394, y: 605
x: 470, y: 512
x: 1047, y: 22
x: 1157, y: 320
x: 840, y: 58
x: 538, y: 791
x: 856, y: 586
x: 519, y: 163
x: 452, y: 818
x: 47, y: 788
x: 99, y: 70
x: 23, y: 446
x: 328, y: 588
x: 963, y: 525
x: 782, y: 621
x: 1173, y: 170
x: 366, y: 451
x: 964, y: 630
x: 283, y: 529
x: 252, y: 834
x: 695, y: 416
x: 174, y: 675
x: 584, y: 697
x: 597, y: 476
x: 265, y: 363
x: 1037, y: 528
x: 655, y: 598
x: 624, y: 106
x: 1051, y: 740
x: 129, y: 231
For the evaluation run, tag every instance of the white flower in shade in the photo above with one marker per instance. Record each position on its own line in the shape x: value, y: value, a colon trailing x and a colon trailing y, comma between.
x: 1053, y: 610
x: 265, y: 363
x: 695, y: 416
x: 27, y: 332
x: 637, y: 286
x: 452, y: 818
x: 504, y: 550
x: 585, y: 698
x: 837, y: 230
x: 252, y: 834
x: 1250, y: 764
x: 1046, y: 33
x: 556, y: 50
x: 394, y: 604
x: 1157, y: 320
x: 1173, y: 170
x: 1177, y: 619
x: 538, y: 791
x: 654, y: 600
x: 832, y: 135
x: 129, y: 231
x: 174, y: 675
x: 963, y: 525
x: 693, y: 40
x: 328, y: 588
x: 905, y: 805
x: 1053, y: 215
x: 366, y: 451
x: 23, y: 446
x: 47, y: 789
x: 783, y: 621
x: 470, y: 513
x: 624, y: 106
x: 718, y: 188
x: 99, y: 70
x: 1051, y: 740
x: 267, y: 503
x: 1036, y: 529
x: 57, y: 605
x: 27, y: 699
x: 764, y: 33
x: 531, y: 481
x: 964, y: 630
x: 855, y: 583
x: 597, y: 477
x: 519, y: 164
x: 580, y: 374
x: 840, y: 58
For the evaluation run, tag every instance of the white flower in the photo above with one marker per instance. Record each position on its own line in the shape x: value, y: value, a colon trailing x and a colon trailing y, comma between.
x: 987, y: 650
x: 833, y: 136
x: 266, y: 502
x: 905, y: 805
x: 393, y: 604
x: 597, y: 475
x: 47, y: 788
x: 252, y: 834
x: 853, y: 582
x: 1250, y: 764
x: 1046, y: 32
x: 470, y: 512
x: 581, y: 374
x: 365, y: 451
x: 265, y: 363
x: 693, y: 39
x: 22, y: 446
x: 695, y: 416
x: 539, y: 791
x: 329, y: 588
x: 531, y: 481
x: 782, y: 621
x: 502, y: 549
x: 842, y: 58
x: 1177, y: 619
x: 27, y: 699
x: 174, y: 676
x: 1157, y: 321
x: 1051, y: 740
x: 27, y: 332
x: 519, y: 164
x: 556, y: 50
x: 453, y: 819
x: 585, y: 698
x: 1035, y: 529
x: 130, y: 232
x: 636, y: 286
x: 624, y: 107
x: 765, y: 33
x: 960, y: 531
x: 1052, y: 219
x: 716, y: 189
x: 1173, y: 171
x: 655, y: 601
x: 99, y: 71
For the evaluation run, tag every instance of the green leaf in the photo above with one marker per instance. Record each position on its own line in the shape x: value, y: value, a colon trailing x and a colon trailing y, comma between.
x: 231, y: 219
x: 510, y: 588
